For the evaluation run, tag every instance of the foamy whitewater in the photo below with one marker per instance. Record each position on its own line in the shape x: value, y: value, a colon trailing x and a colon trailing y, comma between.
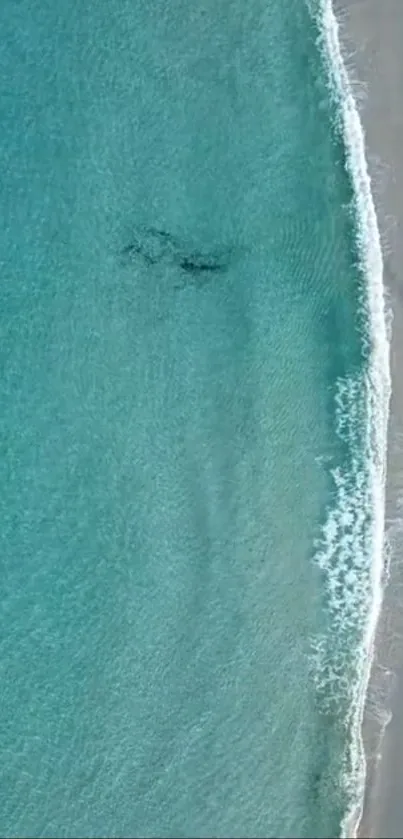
x: 355, y: 526
x: 194, y: 398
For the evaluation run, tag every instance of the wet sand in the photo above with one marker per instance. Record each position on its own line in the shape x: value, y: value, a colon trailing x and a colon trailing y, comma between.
x: 372, y: 38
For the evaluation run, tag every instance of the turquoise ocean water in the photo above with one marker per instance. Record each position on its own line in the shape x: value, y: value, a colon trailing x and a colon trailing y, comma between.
x: 185, y: 500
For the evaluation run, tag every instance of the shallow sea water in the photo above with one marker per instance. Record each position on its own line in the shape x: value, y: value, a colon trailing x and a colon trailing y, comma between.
x: 179, y: 296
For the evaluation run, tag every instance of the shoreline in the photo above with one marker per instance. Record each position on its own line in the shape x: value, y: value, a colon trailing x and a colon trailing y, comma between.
x: 371, y: 35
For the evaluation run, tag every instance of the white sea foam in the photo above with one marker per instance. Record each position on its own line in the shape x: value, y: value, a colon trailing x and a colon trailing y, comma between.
x: 351, y: 551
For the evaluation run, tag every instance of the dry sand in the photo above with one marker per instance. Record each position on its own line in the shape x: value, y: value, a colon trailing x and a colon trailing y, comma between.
x: 372, y: 37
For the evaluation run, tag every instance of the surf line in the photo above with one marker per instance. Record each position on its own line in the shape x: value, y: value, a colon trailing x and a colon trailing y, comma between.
x: 378, y: 388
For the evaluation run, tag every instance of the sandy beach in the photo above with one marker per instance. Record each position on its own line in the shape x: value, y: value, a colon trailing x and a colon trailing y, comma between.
x: 372, y: 38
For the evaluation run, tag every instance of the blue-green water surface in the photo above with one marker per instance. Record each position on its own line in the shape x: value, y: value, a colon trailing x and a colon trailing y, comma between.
x: 177, y: 300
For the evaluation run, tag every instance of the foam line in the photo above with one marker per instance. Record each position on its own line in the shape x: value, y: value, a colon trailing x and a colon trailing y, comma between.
x: 374, y: 392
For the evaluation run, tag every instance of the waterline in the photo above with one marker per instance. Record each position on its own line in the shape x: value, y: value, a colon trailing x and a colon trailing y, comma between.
x: 374, y: 388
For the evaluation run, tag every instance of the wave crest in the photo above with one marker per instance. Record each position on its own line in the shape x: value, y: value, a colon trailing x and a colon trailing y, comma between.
x: 350, y: 552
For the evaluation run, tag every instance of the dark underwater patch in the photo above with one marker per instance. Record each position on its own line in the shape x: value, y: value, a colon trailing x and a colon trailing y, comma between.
x: 154, y: 246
